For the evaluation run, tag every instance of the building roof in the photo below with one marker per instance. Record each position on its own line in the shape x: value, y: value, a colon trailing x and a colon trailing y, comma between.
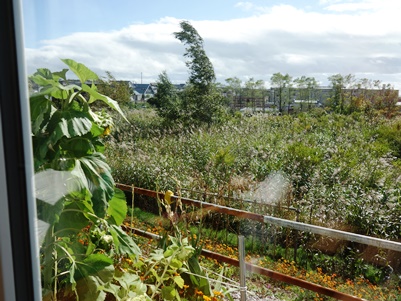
x: 143, y: 89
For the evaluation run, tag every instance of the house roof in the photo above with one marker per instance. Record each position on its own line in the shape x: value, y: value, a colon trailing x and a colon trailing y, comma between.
x: 143, y: 89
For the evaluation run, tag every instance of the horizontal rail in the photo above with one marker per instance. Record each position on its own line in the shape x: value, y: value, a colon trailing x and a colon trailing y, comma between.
x: 238, y: 199
x: 363, y: 239
x: 338, y: 234
x: 261, y: 271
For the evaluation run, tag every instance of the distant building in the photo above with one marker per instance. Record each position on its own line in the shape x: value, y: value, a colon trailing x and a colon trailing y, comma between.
x: 142, y: 92
x: 296, y: 99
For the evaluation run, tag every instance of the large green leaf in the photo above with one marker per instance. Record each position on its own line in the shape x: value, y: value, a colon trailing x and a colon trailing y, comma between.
x: 40, y: 150
x: 124, y: 244
x: 99, y: 180
x: 74, y: 216
x: 84, y: 73
x: 66, y: 124
x: 52, y: 189
x: 40, y: 113
x: 53, y: 90
x: 42, y: 77
x: 96, y: 265
x: 95, y: 95
x: 169, y: 293
x: 51, y: 85
x: 78, y: 147
x: 60, y: 74
x: 94, y: 273
x: 201, y: 282
x: 96, y: 130
x: 49, y: 213
x: 71, y: 123
x: 117, y: 209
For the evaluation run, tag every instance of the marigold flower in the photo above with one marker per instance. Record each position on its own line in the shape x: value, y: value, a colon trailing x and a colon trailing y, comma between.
x: 217, y: 293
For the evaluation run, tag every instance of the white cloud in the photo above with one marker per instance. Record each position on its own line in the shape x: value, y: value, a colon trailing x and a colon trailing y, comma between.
x: 282, y: 39
x: 245, y: 5
x: 388, y: 6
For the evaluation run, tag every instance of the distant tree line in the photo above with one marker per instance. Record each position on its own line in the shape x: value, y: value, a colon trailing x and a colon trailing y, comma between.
x: 205, y: 101
x: 345, y: 93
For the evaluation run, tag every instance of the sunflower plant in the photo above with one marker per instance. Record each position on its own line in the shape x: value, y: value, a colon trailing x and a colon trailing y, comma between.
x: 79, y: 208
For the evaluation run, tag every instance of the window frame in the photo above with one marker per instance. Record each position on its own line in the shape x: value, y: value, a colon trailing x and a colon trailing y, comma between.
x: 19, y: 252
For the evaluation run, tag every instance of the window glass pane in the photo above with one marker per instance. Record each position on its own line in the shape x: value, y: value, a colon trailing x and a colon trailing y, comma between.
x: 286, y: 110
x: 79, y: 211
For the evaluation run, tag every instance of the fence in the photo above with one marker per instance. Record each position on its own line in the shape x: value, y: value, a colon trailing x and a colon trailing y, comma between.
x: 338, y: 234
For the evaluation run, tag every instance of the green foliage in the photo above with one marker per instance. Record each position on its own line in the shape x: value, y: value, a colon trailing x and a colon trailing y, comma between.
x: 334, y: 164
x: 198, y: 107
x: 254, y: 88
x: 166, y: 267
x: 199, y: 102
x: 389, y: 135
x: 118, y: 90
x: 282, y: 84
x: 167, y: 100
x: 201, y: 69
x: 82, y: 211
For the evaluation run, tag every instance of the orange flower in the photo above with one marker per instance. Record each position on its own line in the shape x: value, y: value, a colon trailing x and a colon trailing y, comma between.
x: 217, y: 293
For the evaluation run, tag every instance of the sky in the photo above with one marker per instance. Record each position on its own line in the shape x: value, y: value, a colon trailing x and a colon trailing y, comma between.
x: 134, y: 40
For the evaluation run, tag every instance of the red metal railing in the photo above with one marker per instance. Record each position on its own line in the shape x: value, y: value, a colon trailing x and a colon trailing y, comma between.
x: 250, y: 267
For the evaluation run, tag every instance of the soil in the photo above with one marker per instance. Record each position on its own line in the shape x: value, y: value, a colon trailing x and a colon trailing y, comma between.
x: 253, y: 297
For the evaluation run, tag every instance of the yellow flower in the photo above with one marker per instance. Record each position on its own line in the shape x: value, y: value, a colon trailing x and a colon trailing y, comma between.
x: 106, y: 131
x: 206, y: 298
x: 167, y: 196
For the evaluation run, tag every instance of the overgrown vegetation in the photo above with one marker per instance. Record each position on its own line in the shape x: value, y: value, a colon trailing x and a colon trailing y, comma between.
x: 84, y: 253
x: 344, y: 169
x: 339, y: 171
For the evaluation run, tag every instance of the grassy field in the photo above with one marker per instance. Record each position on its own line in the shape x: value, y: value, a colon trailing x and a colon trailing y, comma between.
x: 337, y: 171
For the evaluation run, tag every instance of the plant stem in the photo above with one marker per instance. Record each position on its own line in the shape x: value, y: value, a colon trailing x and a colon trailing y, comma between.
x: 55, y: 270
x: 132, y: 206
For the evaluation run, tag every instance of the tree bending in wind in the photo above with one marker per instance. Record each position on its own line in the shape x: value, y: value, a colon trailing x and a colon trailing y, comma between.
x: 202, y: 73
x: 199, y: 102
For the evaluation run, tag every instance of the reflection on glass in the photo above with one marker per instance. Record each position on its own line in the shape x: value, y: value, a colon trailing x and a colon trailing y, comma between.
x: 79, y: 209
x: 323, y: 155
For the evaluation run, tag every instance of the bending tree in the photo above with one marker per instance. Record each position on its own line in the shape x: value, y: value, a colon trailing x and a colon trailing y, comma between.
x: 200, y: 100
x: 201, y: 69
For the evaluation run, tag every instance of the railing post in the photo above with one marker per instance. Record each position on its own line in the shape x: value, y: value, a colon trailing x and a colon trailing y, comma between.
x: 242, y: 267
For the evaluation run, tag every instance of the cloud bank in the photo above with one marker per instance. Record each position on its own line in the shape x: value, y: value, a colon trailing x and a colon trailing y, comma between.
x: 346, y: 37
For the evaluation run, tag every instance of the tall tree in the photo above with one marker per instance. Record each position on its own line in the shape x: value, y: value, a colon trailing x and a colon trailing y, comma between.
x: 306, y: 89
x: 202, y: 73
x: 282, y: 85
x: 255, y: 91
x: 254, y: 88
x: 340, y: 84
x: 233, y: 91
x: 166, y: 100
x: 234, y: 86
x: 200, y: 100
